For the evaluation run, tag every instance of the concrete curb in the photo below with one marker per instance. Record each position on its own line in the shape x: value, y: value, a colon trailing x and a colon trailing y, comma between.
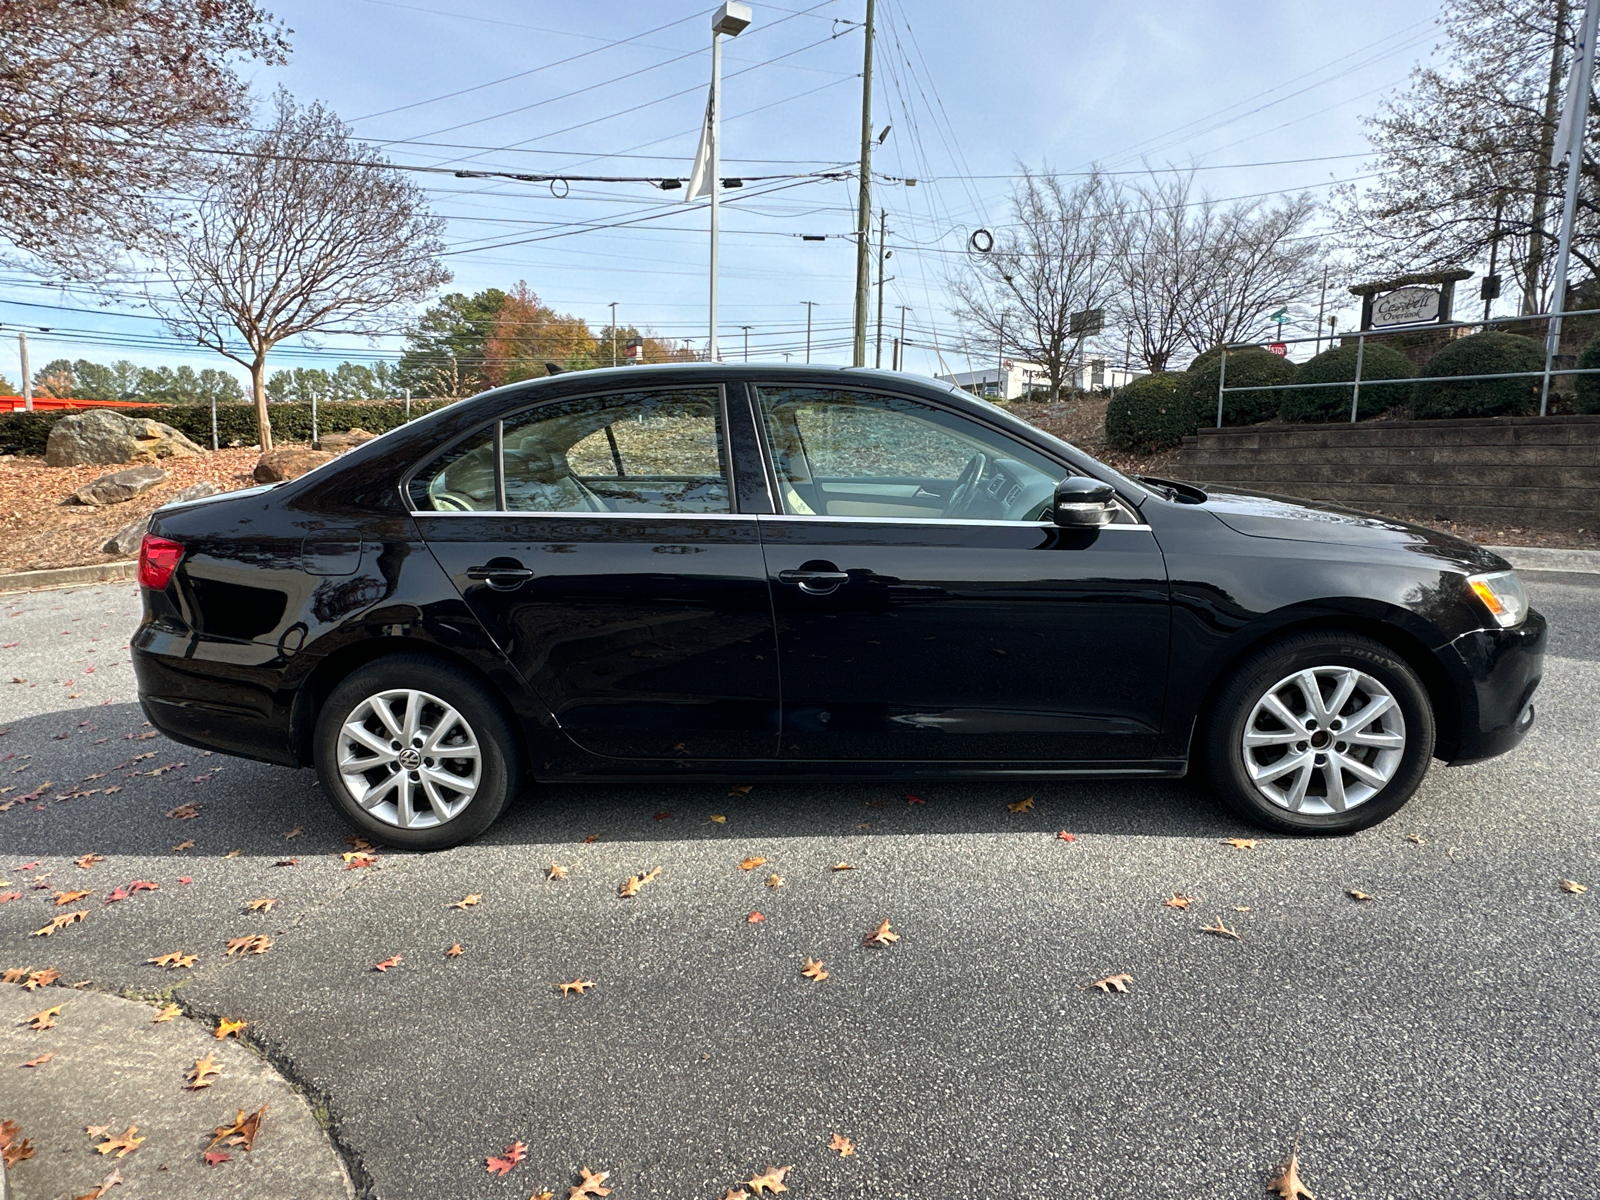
x: 1539, y: 558
x: 110, y: 1064
x: 22, y: 581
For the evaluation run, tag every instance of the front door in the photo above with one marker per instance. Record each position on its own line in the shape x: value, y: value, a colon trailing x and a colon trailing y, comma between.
x: 927, y: 609
x: 595, y: 539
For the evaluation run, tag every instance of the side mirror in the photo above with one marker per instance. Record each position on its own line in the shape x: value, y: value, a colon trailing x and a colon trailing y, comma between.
x: 1084, y: 503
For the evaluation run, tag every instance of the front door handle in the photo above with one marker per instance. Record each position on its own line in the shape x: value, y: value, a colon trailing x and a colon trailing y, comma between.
x: 816, y: 581
x: 501, y: 575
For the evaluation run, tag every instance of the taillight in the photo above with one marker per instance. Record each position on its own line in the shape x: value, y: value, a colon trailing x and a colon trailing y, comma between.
x: 158, y: 559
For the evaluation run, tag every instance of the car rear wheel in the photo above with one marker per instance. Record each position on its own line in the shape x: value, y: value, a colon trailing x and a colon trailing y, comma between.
x: 415, y: 753
x: 1319, y: 733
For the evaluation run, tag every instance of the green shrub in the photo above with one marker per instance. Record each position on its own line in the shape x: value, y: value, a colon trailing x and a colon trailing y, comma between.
x: 1250, y: 367
x: 1490, y: 353
x: 27, y: 433
x: 1211, y: 355
x: 1589, y: 385
x: 1386, y: 377
x: 1149, y: 414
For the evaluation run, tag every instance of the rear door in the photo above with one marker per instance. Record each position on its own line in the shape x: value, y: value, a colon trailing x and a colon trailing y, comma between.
x: 926, y: 610
x: 596, y: 539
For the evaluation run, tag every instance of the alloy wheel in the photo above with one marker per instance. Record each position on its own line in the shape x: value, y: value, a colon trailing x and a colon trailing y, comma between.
x: 409, y: 759
x: 1324, y: 740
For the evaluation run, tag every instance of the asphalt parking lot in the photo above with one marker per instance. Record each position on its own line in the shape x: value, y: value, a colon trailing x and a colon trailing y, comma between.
x: 1439, y: 1039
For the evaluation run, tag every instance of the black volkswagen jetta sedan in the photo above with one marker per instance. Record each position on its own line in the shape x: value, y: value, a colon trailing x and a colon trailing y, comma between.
x: 779, y: 572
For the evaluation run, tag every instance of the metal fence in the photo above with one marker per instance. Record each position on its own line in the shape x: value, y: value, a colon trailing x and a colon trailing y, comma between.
x: 1545, y: 376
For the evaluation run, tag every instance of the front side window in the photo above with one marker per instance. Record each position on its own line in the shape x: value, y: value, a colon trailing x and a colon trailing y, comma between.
x: 644, y: 452
x: 845, y: 453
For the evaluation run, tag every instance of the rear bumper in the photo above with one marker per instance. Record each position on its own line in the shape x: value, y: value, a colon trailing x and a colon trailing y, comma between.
x: 216, y: 695
x: 1501, y: 669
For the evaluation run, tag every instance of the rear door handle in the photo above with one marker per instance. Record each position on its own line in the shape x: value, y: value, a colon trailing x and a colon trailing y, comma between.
x: 503, y: 577
x: 817, y: 582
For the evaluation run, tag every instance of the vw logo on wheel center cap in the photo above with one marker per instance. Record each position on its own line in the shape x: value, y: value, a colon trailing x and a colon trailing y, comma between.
x: 410, y: 758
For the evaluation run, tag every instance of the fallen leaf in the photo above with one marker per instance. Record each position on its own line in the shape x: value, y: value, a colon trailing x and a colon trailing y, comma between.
x: 913, y: 799
x: 84, y: 862
x: 577, y: 985
x: 173, y: 959
x: 739, y: 789
x: 144, y: 885
x: 1357, y: 894
x: 41, y: 1060
x: 812, y: 969
x: 233, y: 854
x: 843, y: 1145
x: 1064, y: 836
x: 630, y: 886
x: 104, y: 1186
x: 514, y: 1154
x: 1573, y: 886
x: 124, y: 1145
x: 166, y: 1014
x: 467, y: 901
x: 1178, y: 901
x: 185, y: 845
x: 254, y: 944
x: 355, y: 862
x: 591, y: 839
x: 358, y: 842
x: 14, y: 974
x: 741, y: 1194
x: 1241, y: 908
x: 117, y: 894
x: 455, y: 951
x: 287, y: 862
x: 1288, y: 1185
x: 718, y: 819
x: 69, y: 897
x: 881, y: 936
x: 263, y: 905
x: 295, y: 832
x: 225, y: 1027
x: 754, y: 918
x: 1240, y: 843
x: 546, y: 1194
x: 841, y: 866
x: 39, y: 979
x: 774, y: 881
x: 770, y: 1181
x: 590, y: 1185
x: 1417, y: 838
x: 749, y: 864
x: 663, y: 816
x: 199, y: 1075
x: 60, y: 922
x: 241, y: 1133
x: 214, y: 1158
x: 1111, y: 983
x: 387, y: 963
x: 11, y: 1150
x: 1022, y: 805
x: 556, y: 871
x: 1221, y: 930
x: 6, y: 897
x: 185, y: 812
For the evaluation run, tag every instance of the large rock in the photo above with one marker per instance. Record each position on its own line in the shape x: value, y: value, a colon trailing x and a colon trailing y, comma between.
x: 289, y: 462
x: 348, y: 440
x: 103, y: 436
x: 124, y: 543
x: 120, y: 486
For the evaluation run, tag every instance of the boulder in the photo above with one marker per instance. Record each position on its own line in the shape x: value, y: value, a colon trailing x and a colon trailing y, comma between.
x: 103, y: 436
x: 195, y: 491
x: 120, y: 486
x: 124, y: 543
x: 289, y: 462
x: 348, y: 440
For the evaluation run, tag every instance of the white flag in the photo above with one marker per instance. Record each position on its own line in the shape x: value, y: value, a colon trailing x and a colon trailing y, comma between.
x: 700, y: 175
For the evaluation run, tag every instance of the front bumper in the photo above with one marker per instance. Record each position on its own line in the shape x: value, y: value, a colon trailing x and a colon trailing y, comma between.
x: 1500, y: 669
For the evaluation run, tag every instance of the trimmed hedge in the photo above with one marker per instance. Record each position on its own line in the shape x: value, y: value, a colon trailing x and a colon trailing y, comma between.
x: 1206, y: 356
x: 1251, y: 367
x: 1589, y: 385
x: 1491, y: 353
x: 27, y: 433
x: 1149, y: 414
x: 1386, y: 377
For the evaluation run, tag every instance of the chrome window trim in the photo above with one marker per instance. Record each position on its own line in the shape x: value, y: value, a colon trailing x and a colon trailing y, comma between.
x: 914, y: 522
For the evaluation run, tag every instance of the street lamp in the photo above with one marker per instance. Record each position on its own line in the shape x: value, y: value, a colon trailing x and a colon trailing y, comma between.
x: 731, y: 19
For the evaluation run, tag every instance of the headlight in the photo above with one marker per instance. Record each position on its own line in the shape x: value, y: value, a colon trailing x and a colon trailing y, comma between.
x: 1502, y: 594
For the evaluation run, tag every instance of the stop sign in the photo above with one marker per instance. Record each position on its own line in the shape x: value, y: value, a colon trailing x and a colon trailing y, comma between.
x: 1281, y: 349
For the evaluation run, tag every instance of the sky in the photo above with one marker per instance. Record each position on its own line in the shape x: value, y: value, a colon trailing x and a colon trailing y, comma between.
x: 1262, y: 100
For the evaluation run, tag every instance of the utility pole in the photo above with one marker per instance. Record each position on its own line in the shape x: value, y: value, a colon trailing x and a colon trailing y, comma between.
x: 810, y: 304
x: 864, y: 200
x: 613, y: 333
x: 746, y: 329
x: 1000, y: 360
x: 1491, y: 285
x: 901, y: 343
x: 883, y: 233
x: 1322, y: 305
x: 27, y: 377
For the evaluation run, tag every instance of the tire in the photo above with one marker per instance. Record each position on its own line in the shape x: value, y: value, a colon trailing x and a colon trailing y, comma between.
x: 448, y: 798
x: 1289, y: 779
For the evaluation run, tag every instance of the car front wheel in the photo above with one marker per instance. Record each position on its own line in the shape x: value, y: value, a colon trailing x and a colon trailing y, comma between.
x: 1319, y: 733
x: 415, y: 753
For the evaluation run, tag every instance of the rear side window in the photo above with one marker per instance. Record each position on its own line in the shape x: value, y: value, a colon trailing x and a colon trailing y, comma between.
x: 659, y: 451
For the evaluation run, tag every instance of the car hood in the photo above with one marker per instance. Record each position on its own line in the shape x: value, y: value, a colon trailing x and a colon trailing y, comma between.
x: 1259, y: 514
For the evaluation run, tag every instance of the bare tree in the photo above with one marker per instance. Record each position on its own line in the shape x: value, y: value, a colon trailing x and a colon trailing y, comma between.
x: 1470, y: 140
x: 302, y: 232
x: 99, y: 104
x: 1054, y: 259
x: 1252, y: 258
x: 1162, y: 238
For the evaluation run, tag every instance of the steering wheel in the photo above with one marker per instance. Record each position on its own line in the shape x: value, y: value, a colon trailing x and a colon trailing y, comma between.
x: 452, y: 502
x: 967, y: 485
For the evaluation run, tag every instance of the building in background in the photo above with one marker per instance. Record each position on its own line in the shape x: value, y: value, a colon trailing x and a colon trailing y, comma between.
x: 1018, y: 378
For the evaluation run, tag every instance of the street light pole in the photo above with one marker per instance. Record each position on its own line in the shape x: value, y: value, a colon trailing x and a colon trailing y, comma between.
x: 746, y: 329
x: 613, y: 333
x: 810, y: 304
x: 900, y: 356
x: 730, y: 19
x: 27, y: 377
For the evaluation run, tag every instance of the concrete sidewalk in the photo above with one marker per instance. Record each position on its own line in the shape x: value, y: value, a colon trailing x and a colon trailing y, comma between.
x: 112, y: 1064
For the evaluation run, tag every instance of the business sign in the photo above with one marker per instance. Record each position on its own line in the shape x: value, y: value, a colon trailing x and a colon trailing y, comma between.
x: 1406, y: 306
x: 1086, y: 323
